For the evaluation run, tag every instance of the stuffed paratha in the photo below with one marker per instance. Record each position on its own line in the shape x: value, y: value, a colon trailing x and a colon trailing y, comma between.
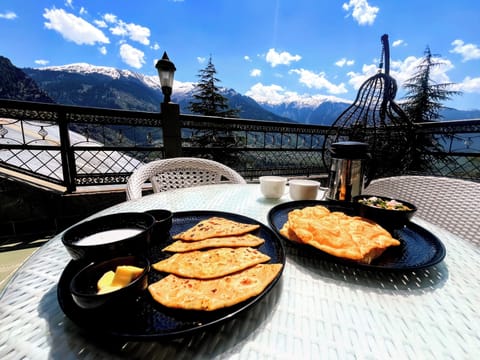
x: 215, y: 227
x: 224, y: 241
x: 194, y: 294
x: 212, y: 263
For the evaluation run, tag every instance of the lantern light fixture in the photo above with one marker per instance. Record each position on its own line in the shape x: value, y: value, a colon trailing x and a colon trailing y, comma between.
x: 166, y: 70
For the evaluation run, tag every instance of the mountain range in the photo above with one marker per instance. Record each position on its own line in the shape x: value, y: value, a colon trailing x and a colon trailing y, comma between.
x: 83, y: 84
x: 16, y: 85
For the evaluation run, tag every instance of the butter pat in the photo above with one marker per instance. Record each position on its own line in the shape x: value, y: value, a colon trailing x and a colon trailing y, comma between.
x: 123, y: 275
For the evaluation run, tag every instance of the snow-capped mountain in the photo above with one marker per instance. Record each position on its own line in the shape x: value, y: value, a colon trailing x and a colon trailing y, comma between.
x: 89, y: 85
x: 151, y: 81
x: 100, y: 86
x: 320, y: 112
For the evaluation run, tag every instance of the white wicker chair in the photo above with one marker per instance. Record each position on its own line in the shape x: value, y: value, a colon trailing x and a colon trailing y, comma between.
x: 452, y: 204
x: 180, y: 172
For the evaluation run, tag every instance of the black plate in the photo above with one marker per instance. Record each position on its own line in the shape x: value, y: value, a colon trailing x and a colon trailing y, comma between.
x: 145, y: 319
x: 419, y: 248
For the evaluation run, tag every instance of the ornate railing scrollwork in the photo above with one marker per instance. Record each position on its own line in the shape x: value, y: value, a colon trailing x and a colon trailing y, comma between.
x: 103, y: 146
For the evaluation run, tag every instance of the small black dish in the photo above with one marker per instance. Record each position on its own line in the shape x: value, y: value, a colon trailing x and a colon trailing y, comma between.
x: 109, y: 236
x: 163, y: 223
x: 388, y: 218
x: 83, y: 286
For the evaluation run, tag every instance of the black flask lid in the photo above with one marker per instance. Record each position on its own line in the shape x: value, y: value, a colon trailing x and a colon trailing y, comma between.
x: 349, y: 150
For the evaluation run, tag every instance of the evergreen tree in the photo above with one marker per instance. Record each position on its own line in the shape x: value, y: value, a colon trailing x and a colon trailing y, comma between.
x: 423, y: 102
x: 423, y: 98
x: 207, y: 97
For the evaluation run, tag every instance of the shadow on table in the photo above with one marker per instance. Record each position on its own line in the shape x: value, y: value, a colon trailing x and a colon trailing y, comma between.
x: 413, y: 282
x: 68, y: 341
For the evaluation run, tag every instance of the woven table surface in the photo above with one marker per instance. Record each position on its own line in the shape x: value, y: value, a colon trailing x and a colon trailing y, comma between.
x: 318, y: 310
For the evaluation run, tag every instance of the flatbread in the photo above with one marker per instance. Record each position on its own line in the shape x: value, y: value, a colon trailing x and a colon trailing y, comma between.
x: 338, y: 234
x: 225, y: 241
x: 207, y: 295
x: 215, y: 227
x: 212, y: 263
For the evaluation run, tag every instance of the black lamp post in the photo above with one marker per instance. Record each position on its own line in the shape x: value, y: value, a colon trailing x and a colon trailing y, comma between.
x: 170, y: 112
x: 166, y: 70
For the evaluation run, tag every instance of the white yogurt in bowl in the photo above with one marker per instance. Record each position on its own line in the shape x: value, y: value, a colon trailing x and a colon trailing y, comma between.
x: 109, y: 236
x: 106, y: 237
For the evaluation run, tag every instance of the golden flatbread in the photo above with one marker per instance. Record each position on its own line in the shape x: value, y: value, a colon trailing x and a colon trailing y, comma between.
x: 225, y: 241
x: 212, y: 263
x: 338, y: 234
x: 194, y: 294
x: 215, y: 227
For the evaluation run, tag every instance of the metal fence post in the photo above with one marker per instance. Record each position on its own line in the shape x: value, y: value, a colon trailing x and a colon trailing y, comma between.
x: 68, y: 158
x: 172, y: 139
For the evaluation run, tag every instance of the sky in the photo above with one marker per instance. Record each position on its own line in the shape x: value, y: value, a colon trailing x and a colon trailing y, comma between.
x: 272, y: 50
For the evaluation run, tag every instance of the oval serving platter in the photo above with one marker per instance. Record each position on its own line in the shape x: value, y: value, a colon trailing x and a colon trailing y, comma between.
x: 144, y: 318
x: 419, y: 248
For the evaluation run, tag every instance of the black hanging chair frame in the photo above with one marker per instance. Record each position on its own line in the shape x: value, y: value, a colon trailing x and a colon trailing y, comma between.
x: 376, y: 119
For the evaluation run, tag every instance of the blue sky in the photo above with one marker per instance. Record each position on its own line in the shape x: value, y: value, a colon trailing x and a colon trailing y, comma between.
x: 272, y: 50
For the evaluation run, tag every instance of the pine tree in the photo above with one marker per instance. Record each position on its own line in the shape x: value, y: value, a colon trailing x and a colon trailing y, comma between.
x: 208, y: 100
x: 423, y: 102
x: 423, y: 98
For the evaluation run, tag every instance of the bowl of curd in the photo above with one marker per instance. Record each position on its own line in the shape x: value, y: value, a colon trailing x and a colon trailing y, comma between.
x: 109, y: 236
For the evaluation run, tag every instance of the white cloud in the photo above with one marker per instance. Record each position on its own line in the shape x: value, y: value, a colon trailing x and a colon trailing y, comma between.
x: 9, y: 15
x: 402, y: 70
x: 110, y: 18
x: 69, y: 3
x: 318, y: 81
x: 247, y: 58
x: 134, y: 32
x: 155, y: 46
x: 73, y: 28
x: 276, y: 94
x: 255, y: 72
x: 83, y: 11
x: 398, y: 43
x: 132, y: 56
x: 42, y: 62
x: 357, y: 79
x: 467, y: 51
x: 468, y: 85
x: 362, y: 12
x: 103, y: 50
x: 273, y: 94
x: 284, y: 58
x: 100, y: 23
x: 344, y: 62
x: 201, y: 60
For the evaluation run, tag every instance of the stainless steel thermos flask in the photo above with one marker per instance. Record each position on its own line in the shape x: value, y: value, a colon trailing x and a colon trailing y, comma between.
x: 347, y: 169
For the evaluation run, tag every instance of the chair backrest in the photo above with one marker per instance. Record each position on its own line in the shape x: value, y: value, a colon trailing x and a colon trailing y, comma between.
x: 181, y: 172
x: 452, y: 204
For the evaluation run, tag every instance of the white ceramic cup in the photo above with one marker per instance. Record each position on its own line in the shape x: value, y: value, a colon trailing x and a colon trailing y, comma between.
x: 303, y: 189
x: 272, y: 187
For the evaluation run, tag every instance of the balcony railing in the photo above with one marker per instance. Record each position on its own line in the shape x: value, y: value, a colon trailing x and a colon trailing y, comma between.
x: 77, y: 146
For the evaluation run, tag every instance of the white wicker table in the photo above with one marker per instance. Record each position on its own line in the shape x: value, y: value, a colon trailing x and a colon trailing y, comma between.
x: 316, y: 311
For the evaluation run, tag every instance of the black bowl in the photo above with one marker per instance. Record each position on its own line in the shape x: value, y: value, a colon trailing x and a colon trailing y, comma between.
x: 163, y: 223
x: 388, y: 218
x: 83, y: 286
x: 109, y: 236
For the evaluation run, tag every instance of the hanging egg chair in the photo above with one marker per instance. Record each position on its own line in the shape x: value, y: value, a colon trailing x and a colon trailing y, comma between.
x: 375, y: 118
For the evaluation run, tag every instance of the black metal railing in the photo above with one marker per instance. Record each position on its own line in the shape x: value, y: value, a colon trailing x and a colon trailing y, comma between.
x: 77, y: 146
